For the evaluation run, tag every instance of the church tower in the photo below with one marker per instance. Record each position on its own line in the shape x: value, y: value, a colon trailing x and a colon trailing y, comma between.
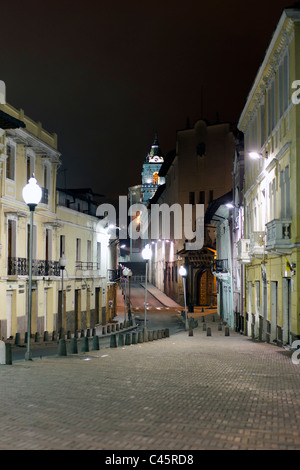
x: 151, y: 167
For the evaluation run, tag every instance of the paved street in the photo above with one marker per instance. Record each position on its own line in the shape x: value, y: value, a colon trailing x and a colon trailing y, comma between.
x: 177, y: 393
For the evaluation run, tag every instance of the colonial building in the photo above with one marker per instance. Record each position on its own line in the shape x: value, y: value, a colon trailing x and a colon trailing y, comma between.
x: 197, y: 172
x: 26, y: 149
x: 227, y: 216
x: 269, y: 249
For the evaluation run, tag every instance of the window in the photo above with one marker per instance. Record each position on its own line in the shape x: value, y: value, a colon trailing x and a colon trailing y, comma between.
x: 78, y: 249
x: 89, y: 251
x: 62, y: 245
x: 155, y: 178
x: 286, y: 82
x: 98, y: 255
x: 29, y: 166
x: 202, y: 197
x: 48, y: 244
x: 262, y: 125
x: 10, y: 162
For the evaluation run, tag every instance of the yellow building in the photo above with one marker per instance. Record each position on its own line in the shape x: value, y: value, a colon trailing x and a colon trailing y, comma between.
x: 270, y: 251
x: 27, y: 148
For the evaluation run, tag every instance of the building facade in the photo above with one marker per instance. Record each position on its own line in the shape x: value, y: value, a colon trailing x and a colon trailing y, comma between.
x: 269, y: 249
x: 26, y: 149
x: 197, y: 172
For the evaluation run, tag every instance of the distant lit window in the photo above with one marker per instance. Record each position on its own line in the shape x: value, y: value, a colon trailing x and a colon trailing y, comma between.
x: 155, y: 178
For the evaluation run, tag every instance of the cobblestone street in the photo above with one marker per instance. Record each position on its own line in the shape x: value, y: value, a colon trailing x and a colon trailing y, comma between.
x: 180, y: 393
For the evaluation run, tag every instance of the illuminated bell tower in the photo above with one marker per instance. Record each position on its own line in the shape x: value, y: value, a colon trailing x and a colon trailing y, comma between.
x: 151, y: 167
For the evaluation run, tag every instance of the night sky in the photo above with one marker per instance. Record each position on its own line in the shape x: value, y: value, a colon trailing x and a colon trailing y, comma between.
x: 105, y: 76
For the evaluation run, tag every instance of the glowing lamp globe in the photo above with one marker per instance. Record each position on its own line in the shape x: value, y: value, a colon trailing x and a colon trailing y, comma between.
x: 147, y: 253
x: 32, y: 193
x: 182, y: 271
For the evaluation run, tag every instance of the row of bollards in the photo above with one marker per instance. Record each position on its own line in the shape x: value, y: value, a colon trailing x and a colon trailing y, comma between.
x: 117, y: 339
x: 208, y: 329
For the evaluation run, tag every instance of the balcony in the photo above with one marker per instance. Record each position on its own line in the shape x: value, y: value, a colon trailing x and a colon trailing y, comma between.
x: 278, y: 234
x: 112, y: 275
x: 221, y: 265
x: 257, y: 247
x: 20, y: 267
x: 243, y: 248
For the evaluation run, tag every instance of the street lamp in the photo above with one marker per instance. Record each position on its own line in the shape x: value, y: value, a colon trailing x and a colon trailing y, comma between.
x: 146, y: 254
x: 257, y: 155
x: 126, y: 272
x: 62, y: 264
x: 32, y: 194
x: 183, y: 273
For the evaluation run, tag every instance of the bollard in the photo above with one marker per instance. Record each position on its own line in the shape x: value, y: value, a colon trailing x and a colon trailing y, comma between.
x: 208, y: 333
x: 128, y: 339
x: 113, y: 341
x: 95, y: 343
x: 141, y: 337
x: 150, y: 335
x: 226, y: 330
x: 154, y: 335
x: 220, y: 327
x: 167, y: 333
x: 204, y: 326
x: 62, y: 349
x: 5, y: 353
x: 73, y: 346
x: 134, y: 337
x: 17, y: 338
x: 121, y: 341
x: 159, y: 335
x: 45, y: 335
x: 85, y: 344
x: 191, y: 332
x: 36, y: 337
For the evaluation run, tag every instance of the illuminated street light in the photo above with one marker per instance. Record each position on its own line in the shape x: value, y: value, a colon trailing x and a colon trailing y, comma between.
x: 146, y: 254
x: 126, y: 273
x: 32, y: 194
x: 183, y: 273
x: 256, y: 155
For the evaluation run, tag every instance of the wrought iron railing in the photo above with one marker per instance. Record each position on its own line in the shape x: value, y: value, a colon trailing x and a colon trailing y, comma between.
x: 87, y: 265
x: 20, y: 266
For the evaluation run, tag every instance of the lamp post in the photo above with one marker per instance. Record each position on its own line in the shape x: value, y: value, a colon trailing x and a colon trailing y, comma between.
x: 32, y: 195
x: 146, y: 254
x: 125, y: 273
x: 62, y: 264
x: 183, y: 273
